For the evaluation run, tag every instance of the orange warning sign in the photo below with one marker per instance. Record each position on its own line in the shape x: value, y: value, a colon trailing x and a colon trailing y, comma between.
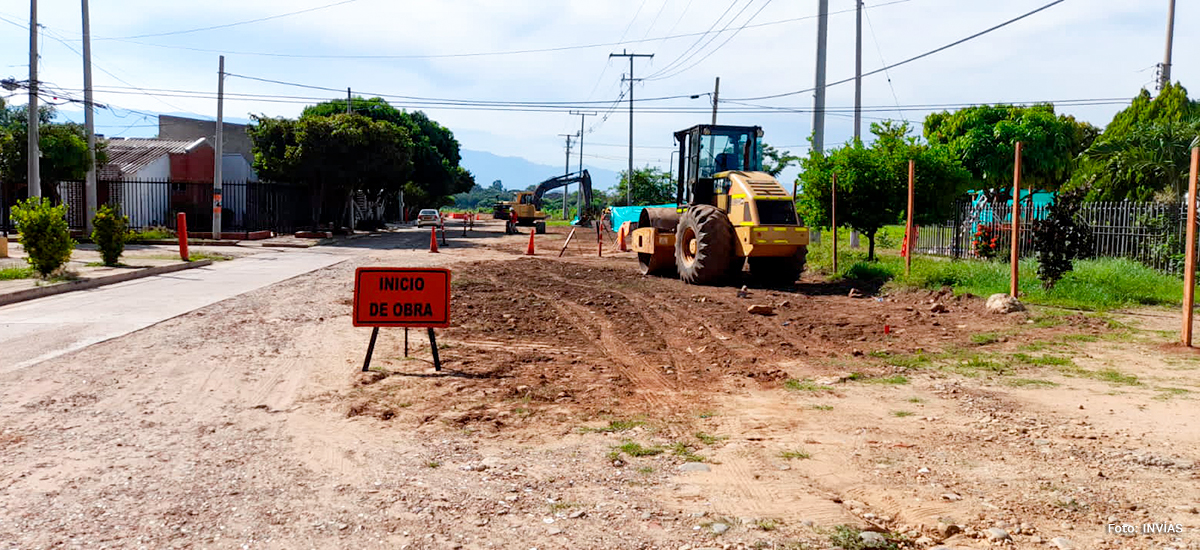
x: 401, y: 297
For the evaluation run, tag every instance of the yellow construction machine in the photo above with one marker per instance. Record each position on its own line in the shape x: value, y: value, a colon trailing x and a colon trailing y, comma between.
x: 728, y: 210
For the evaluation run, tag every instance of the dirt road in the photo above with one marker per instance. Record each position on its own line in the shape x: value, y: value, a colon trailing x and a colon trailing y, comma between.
x: 585, y: 406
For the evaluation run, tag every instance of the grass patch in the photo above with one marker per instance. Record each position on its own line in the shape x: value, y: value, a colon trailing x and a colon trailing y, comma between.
x: 1167, y: 393
x: 1030, y: 383
x: 915, y: 400
x: 614, y: 426
x: 766, y: 524
x: 150, y: 234
x: 433, y: 464
x: 894, y: 380
x: 976, y: 364
x: 192, y: 257
x: 902, y: 414
x: 796, y: 454
x: 635, y: 449
x: 1113, y: 376
x: 985, y: 338
x: 682, y: 450
x: 1043, y: 360
x: 914, y: 361
x: 14, y: 273
x: 645, y: 470
x: 556, y: 507
x: 710, y: 439
x: 1084, y: 338
x: 793, y: 384
x: 823, y: 407
x: 1098, y: 284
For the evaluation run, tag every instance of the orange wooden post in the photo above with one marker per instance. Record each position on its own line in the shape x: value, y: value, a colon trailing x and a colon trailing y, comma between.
x: 1189, y: 263
x: 908, y: 229
x: 1016, y: 221
x: 833, y: 219
x: 181, y: 231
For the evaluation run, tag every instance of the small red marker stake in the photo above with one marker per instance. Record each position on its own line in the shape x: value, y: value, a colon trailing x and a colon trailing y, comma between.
x: 887, y: 329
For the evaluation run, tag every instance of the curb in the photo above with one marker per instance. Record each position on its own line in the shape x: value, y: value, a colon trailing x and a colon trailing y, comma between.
x: 42, y: 292
x: 287, y: 245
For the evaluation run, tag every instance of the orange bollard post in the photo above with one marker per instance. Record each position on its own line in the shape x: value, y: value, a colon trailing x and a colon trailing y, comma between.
x: 181, y: 230
x: 622, y: 233
x: 433, y: 240
x: 532, y: 232
x: 599, y: 243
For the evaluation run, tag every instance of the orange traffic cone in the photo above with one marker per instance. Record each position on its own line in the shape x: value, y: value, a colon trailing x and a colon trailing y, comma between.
x: 433, y: 240
x: 532, y: 232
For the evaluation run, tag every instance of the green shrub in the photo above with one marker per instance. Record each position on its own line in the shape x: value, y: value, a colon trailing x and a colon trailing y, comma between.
x: 1061, y: 238
x: 44, y: 233
x: 109, y: 232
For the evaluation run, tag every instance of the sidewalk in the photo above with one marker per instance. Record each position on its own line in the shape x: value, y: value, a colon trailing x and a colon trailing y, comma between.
x: 39, y: 330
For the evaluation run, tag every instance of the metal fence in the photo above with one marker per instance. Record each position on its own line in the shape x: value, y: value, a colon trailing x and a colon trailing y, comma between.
x: 1150, y: 233
x: 245, y: 206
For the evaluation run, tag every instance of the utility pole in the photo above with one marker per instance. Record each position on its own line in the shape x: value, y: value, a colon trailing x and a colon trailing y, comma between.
x: 219, y: 150
x: 35, y: 155
x: 858, y: 72
x: 629, y: 174
x: 716, y: 98
x: 566, y: 172
x: 582, y: 116
x: 349, y: 102
x: 1164, y: 71
x: 819, y: 93
x: 89, y: 120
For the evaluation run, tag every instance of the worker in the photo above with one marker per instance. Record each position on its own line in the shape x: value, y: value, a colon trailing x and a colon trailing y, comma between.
x: 511, y: 228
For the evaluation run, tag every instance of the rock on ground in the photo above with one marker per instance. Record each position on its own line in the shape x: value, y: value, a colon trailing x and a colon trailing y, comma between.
x: 1003, y: 303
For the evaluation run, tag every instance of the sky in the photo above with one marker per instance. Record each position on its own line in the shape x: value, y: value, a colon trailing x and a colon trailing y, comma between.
x: 1074, y: 50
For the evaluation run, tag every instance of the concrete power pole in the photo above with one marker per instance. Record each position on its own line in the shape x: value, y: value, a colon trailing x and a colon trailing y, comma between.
x: 89, y: 120
x: 349, y: 102
x: 1164, y: 72
x: 35, y: 178
x: 582, y: 116
x: 219, y: 151
x: 566, y: 172
x: 819, y: 94
x: 716, y: 99
x: 629, y: 174
x: 858, y: 72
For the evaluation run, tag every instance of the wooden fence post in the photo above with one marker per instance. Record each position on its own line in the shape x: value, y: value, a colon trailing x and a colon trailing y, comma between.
x: 1189, y: 264
x: 1016, y: 221
x: 833, y: 219
x: 908, y: 228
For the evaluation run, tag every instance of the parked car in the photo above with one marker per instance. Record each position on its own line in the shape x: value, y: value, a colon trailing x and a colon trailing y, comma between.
x: 429, y: 216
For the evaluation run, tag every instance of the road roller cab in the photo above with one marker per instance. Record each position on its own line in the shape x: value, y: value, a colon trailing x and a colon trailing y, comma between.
x: 728, y: 210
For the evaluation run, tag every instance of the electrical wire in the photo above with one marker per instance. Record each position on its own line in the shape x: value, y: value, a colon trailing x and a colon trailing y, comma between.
x: 722, y: 45
x: 879, y: 49
x: 909, y: 60
x: 699, y: 38
x: 228, y: 25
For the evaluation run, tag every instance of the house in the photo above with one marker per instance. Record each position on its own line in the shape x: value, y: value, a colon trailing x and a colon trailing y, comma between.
x: 154, y: 178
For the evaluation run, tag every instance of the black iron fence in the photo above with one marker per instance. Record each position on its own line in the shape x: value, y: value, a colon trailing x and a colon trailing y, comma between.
x: 245, y: 206
x: 1150, y: 233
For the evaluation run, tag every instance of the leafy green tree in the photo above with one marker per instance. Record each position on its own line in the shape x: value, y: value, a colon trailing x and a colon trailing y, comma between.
x: 775, y: 161
x: 872, y: 182
x: 984, y: 137
x: 650, y: 186
x: 1143, y: 153
x: 63, y: 147
x: 1150, y: 161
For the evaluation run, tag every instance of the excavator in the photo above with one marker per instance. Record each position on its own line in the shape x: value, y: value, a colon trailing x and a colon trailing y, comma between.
x: 729, y: 212
x: 528, y: 204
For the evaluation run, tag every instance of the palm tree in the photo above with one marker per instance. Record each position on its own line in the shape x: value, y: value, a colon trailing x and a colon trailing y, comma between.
x: 1151, y: 158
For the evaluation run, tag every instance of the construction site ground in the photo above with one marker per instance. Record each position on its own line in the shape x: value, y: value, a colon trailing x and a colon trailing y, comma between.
x: 583, y: 405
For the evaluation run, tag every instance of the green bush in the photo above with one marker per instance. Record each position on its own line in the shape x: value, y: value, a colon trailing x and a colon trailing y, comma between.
x: 109, y: 230
x: 44, y: 233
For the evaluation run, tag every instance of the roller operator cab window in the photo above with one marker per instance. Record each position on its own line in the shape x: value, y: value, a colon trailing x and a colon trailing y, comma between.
x: 724, y: 150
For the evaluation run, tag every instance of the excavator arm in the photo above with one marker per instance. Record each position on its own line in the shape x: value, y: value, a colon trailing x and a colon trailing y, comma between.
x: 585, y: 185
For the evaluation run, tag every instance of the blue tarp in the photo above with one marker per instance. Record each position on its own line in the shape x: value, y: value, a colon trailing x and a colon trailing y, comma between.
x: 622, y: 214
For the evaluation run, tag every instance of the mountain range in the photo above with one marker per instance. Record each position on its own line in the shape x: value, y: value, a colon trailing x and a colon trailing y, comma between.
x: 518, y: 173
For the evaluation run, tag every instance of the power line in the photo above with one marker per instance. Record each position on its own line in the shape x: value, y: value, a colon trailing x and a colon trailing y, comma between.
x: 879, y: 49
x: 228, y: 25
x: 909, y: 60
x: 700, y: 38
x: 722, y: 45
x: 476, y: 54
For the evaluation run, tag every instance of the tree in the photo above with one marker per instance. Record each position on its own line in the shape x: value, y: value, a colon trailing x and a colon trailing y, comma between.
x: 1143, y: 152
x: 984, y: 138
x: 650, y: 186
x: 872, y: 183
x: 63, y: 148
x: 776, y: 161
